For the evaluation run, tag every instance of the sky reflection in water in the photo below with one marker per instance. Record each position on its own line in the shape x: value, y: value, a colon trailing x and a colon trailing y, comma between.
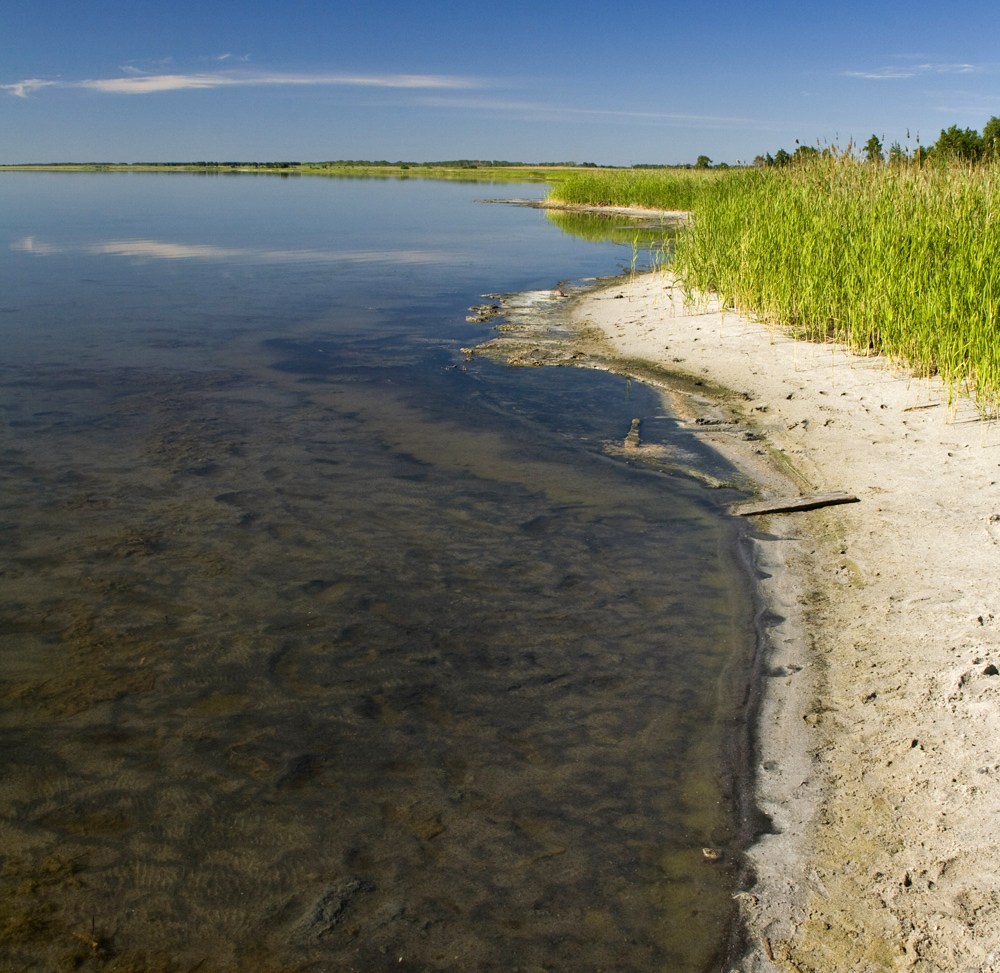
x: 322, y: 645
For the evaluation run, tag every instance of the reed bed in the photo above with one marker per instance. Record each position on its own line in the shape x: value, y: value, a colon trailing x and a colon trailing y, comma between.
x: 902, y: 261
x: 669, y: 189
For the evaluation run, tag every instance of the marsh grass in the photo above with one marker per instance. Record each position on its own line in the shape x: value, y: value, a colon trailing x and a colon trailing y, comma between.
x: 667, y: 189
x: 902, y: 261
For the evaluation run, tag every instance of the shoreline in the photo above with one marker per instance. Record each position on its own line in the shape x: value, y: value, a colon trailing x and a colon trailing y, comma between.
x: 877, y: 759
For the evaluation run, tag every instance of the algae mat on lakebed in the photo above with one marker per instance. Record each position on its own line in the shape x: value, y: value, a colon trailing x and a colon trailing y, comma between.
x: 460, y: 721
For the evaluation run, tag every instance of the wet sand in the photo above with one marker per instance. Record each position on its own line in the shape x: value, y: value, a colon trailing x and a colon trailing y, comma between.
x: 878, y: 759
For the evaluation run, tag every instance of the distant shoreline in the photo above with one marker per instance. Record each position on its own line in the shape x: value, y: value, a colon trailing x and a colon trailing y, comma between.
x: 472, y: 171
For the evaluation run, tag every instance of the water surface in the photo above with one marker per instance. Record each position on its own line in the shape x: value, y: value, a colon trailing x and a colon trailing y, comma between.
x: 323, y: 647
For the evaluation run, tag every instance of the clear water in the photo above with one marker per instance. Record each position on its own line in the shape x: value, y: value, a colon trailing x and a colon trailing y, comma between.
x: 322, y: 648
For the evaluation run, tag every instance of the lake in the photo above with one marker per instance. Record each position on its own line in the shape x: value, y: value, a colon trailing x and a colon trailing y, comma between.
x: 324, y: 646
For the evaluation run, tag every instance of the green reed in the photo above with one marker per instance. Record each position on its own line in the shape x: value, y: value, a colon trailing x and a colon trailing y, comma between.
x: 902, y: 261
x: 668, y: 189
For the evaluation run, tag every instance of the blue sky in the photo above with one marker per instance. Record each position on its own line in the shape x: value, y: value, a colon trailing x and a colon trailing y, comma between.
x: 612, y: 82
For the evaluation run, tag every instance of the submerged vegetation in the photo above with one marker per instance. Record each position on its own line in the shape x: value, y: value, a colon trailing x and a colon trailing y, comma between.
x: 895, y: 259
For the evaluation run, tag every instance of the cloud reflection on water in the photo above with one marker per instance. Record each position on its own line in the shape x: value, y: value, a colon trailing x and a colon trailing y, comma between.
x: 164, y: 250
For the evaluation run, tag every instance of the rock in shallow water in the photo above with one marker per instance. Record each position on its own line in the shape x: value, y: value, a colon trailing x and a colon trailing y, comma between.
x: 331, y: 906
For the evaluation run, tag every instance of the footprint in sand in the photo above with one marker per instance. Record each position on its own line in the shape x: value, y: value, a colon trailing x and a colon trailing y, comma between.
x: 993, y: 528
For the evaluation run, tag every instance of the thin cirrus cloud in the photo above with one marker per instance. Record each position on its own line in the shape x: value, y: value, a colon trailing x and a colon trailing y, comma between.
x: 145, y: 84
x: 528, y: 110
x: 904, y: 72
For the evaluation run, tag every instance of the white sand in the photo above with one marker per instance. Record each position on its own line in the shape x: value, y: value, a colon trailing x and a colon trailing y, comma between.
x: 880, y: 727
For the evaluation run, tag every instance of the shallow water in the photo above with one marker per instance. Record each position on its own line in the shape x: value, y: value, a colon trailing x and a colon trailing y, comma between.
x: 323, y: 648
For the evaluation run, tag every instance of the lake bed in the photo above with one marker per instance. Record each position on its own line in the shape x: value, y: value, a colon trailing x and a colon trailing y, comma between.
x: 325, y: 646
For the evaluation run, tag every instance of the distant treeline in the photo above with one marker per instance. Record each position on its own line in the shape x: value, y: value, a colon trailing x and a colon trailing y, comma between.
x: 225, y: 165
x: 330, y: 164
x: 457, y: 164
x: 201, y: 164
x: 953, y: 144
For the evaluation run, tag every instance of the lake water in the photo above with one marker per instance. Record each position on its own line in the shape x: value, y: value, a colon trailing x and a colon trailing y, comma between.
x: 324, y: 648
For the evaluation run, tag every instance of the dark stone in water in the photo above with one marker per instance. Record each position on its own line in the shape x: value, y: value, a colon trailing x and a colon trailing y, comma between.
x: 480, y: 313
x: 329, y: 909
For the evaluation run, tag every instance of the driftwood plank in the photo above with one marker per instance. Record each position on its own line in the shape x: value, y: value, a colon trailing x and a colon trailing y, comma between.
x: 792, y: 504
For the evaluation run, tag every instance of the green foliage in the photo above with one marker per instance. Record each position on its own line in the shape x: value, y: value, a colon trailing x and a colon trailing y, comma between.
x: 801, y: 155
x: 873, y: 150
x: 991, y: 139
x: 965, y: 144
x: 666, y: 189
x: 954, y: 143
x: 896, y: 260
x: 703, y: 162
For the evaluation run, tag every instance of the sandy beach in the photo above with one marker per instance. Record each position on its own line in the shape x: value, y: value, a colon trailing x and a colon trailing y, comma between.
x: 879, y: 752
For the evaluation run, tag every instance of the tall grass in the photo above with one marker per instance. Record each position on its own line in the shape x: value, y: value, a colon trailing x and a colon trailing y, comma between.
x: 668, y: 189
x: 902, y: 261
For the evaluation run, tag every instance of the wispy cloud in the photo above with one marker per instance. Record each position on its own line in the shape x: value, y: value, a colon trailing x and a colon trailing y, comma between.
x: 536, y: 110
x: 145, y: 84
x: 24, y: 88
x: 902, y: 72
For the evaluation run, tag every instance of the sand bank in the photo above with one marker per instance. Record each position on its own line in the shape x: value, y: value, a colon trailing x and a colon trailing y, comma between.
x: 879, y: 731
